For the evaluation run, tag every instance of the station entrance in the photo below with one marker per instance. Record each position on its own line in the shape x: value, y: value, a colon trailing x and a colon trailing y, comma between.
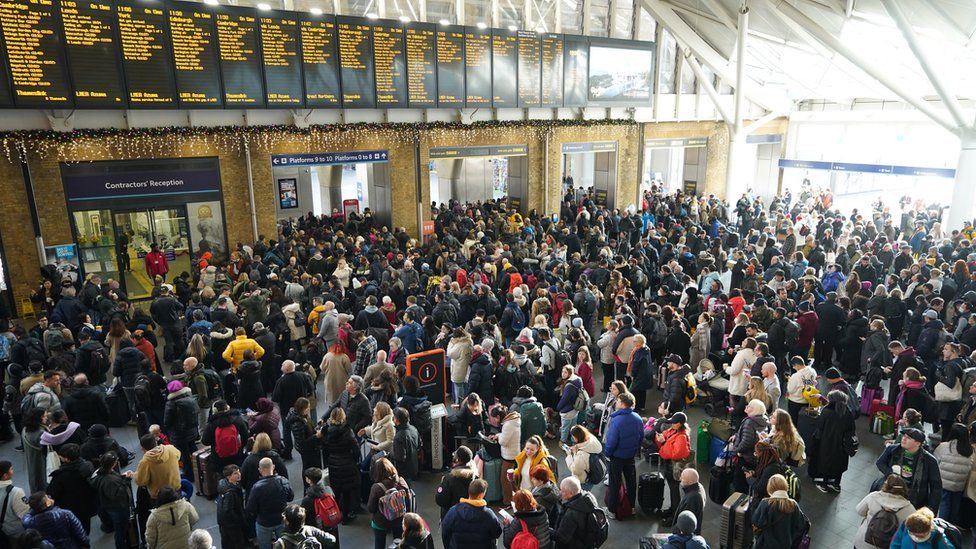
x: 480, y: 174
x: 333, y: 184
x: 675, y: 164
x: 590, y: 166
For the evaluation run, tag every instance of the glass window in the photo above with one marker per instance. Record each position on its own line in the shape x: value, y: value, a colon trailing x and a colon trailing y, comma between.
x: 476, y: 11
x: 623, y: 20
x: 688, y: 80
x: 572, y: 16
x: 647, y: 27
x: 97, y: 243
x: 669, y: 58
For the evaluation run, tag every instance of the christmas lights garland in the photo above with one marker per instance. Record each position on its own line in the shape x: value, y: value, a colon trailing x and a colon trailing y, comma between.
x: 150, y: 142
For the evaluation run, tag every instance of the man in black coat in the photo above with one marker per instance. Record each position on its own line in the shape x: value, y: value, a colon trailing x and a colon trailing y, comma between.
x: 181, y: 422
x: 69, y: 485
x: 224, y: 416
x: 572, y: 530
x: 168, y: 313
x: 354, y: 403
x: 832, y: 319
x: 454, y: 484
x: 85, y: 404
x: 70, y: 310
x: 270, y: 369
x: 291, y: 386
x: 692, y: 496
x: 91, y: 358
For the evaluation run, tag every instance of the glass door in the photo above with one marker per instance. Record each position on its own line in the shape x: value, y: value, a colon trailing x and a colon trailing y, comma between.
x: 173, y: 236
x: 134, y: 236
x: 96, y: 243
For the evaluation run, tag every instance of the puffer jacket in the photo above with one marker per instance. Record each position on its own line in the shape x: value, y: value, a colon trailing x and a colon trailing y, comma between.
x: 180, y: 419
x: 459, y: 351
x: 234, y: 352
x: 953, y: 466
x: 453, y: 487
x: 510, y: 437
x: 170, y: 524
x: 739, y: 370
x: 536, y: 522
x: 748, y: 435
x: 128, y: 364
x: 674, y: 391
x: 59, y: 527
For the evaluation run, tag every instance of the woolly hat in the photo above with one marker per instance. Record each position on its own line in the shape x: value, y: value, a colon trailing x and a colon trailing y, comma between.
x: 832, y: 373
x: 685, y: 523
x: 174, y: 386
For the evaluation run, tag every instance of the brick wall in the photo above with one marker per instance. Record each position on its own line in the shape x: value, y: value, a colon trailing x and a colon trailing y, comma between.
x: 20, y: 249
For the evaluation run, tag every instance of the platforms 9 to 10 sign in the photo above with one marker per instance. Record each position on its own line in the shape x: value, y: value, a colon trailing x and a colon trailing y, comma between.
x: 173, y: 54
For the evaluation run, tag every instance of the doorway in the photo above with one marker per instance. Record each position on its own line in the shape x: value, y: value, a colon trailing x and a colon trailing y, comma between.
x: 136, y: 231
x: 590, y: 167
x: 675, y: 164
x: 480, y: 174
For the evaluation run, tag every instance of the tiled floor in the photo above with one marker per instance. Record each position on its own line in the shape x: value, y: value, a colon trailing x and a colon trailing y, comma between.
x: 833, y: 516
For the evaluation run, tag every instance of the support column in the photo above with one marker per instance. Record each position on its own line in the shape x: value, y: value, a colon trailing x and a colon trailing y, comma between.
x: 963, y: 205
x: 734, y: 181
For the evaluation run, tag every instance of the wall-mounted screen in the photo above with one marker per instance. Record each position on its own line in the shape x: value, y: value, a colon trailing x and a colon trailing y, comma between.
x: 620, y: 74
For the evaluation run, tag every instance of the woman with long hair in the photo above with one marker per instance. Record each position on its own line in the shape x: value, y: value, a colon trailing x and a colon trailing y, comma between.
x: 571, y: 385
x: 197, y: 348
x: 955, y: 457
x: 892, y: 497
x: 261, y: 448
x: 533, y: 453
x: 777, y: 521
x: 301, y: 425
x: 416, y: 534
x: 116, y: 333
x: 768, y: 463
x: 385, y: 478
x: 786, y: 439
x: 584, y: 369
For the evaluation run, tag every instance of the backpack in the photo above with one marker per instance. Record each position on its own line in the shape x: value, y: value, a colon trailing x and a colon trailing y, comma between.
x: 27, y: 404
x: 227, y: 442
x: 518, y: 319
x: 589, y: 302
x: 420, y: 416
x: 691, y: 389
x: 393, y: 504
x: 882, y: 527
x: 598, y: 468
x: 54, y: 340
x: 34, y: 350
x: 658, y: 332
x: 525, y: 539
x: 215, y: 388
x: 582, y: 399
x: 327, y: 509
x: 141, y: 390
x: 98, y: 361
x: 792, y: 333
x: 949, y: 531
x: 792, y: 483
x: 299, y: 543
x: 598, y: 527
x: 560, y: 357
x: 4, y: 348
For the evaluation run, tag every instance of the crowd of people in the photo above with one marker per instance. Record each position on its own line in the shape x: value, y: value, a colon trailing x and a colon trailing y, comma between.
x: 786, y: 320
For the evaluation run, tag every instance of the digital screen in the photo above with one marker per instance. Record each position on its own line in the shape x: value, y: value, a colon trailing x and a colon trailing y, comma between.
x: 620, y: 75
x: 92, y: 53
x: 477, y: 67
x: 450, y: 66
x: 240, y: 57
x: 575, y: 67
x: 319, y: 63
x: 504, y: 69
x: 421, y: 61
x: 529, y: 69
x: 145, y: 46
x: 33, y: 48
x: 389, y: 66
x: 195, y: 56
x: 282, y: 65
x: 355, y: 62
x: 552, y: 70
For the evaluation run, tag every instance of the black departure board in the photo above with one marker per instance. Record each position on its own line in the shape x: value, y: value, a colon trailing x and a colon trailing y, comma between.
x: 320, y: 64
x: 575, y: 71
x: 5, y: 98
x: 421, y: 45
x: 450, y: 66
x: 355, y: 46
x: 389, y: 66
x: 195, y: 55
x: 477, y: 67
x: 529, y: 69
x: 144, y: 41
x: 504, y: 68
x: 239, y: 51
x: 92, y: 53
x: 33, y: 46
x: 552, y: 70
x: 282, y: 65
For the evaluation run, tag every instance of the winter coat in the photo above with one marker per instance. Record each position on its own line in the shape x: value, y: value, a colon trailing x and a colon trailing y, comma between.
x: 377, y: 491
x: 459, y: 351
x: 470, y: 525
x: 170, y: 524
x: 159, y: 467
x: 224, y: 419
x: 874, y: 352
x: 230, y: 505
x: 533, y: 417
x: 953, y: 466
x: 798, y: 380
x: 336, y: 369
x: 358, y: 410
x: 267, y: 422
x: 834, y: 425
x: 739, y: 370
x: 34, y: 460
x: 579, y: 462
x: 219, y: 341
x: 268, y: 498
x: 87, y: 406
x: 249, y: 468
x: 128, y: 365
x: 642, y: 369
x: 903, y: 540
x: 59, y: 527
x: 341, y: 457
x: 776, y: 530
x: 567, y: 398
x: 674, y: 389
x: 480, y: 378
x: 927, y: 346
x: 234, y: 353
x: 302, y: 430
x: 685, y: 541
x: 747, y: 436
x: 692, y: 499
x: 832, y: 319
x: 406, y: 443
x: 870, y: 505
x: 536, y: 522
x: 294, y: 318
x: 382, y: 432
x: 571, y: 530
x: 70, y: 488
x: 453, y: 487
x: 181, y: 417
x: 290, y: 387
x: 700, y: 344
x: 851, y: 343
x: 625, y: 431
x: 112, y: 490
x: 60, y: 435
x: 249, y: 384
x: 510, y: 437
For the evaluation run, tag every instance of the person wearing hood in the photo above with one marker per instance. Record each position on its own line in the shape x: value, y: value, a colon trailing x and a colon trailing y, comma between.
x: 265, y: 419
x: 233, y: 523
x: 829, y: 451
x: 99, y: 441
x: 471, y: 524
x: 86, y: 404
x: 69, y: 485
x: 454, y: 484
x: 220, y: 338
x: 226, y: 433
x: 159, y: 466
x: 60, y: 431
x: 743, y: 442
x: 480, y: 374
x: 460, y: 350
x: 59, y: 527
x: 585, y: 444
x: 529, y: 516
x: 128, y: 363
x: 684, y: 534
x: 181, y: 422
x: 171, y: 522
x: 572, y: 528
x: 114, y: 496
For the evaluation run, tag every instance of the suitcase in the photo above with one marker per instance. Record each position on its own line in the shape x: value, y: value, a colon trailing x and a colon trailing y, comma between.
x: 118, y: 408
x: 492, y: 474
x: 715, y: 447
x: 868, y: 396
x: 703, y: 442
x: 806, y: 424
x: 719, y: 484
x: 624, y: 510
x: 594, y: 418
x: 736, y: 531
x: 879, y: 405
x: 882, y: 424
x: 204, y: 479
x: 650, y: 492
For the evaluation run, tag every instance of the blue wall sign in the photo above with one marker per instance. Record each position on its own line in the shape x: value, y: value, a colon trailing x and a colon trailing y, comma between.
x: 324, y: 159
x: 947, y: 173
x: 111, y: 179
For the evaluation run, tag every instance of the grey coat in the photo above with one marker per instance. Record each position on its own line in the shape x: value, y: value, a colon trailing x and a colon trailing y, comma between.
x: 874, y: 351
x: 953, y: 467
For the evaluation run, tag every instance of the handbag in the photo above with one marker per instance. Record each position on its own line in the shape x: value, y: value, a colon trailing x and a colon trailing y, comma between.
x: 680, y: 465
x: 944, y: 394
x: 52, y: 460
x: 851, y: 445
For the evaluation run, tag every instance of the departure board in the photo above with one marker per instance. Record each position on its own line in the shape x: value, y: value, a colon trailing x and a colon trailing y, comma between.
x: 355, y: 39
x: 282, y: 65
x: 389, y: 66
x: 33, y: 46
x: 240, y: 57
x: 477, y: 67
x: 92, y: 53
x: 504, y: 68
x: 145, y: 46
x: 421, y: 62
x: 195, y: 55
x: 320, y: 65
x: 575, y: 71
x: 552, y: 70
x: 529, y: 69
x: 5, y: 98
x: 450, y: 66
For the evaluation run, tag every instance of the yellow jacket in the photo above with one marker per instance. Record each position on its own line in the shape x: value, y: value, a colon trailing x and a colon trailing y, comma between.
x: 542, y: 457
x: 159, y: 467
x: 313, y: 318
x: 234, y: 353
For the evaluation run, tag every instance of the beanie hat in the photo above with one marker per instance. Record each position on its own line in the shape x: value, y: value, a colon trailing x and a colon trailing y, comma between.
x: 577, y: 322
x: 832, y: 373
x: 174, y: 386
x: 685, y: 523
x: 97, y: 431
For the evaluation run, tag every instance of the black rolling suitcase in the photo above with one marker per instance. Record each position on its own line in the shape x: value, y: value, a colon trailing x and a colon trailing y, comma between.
x: 719, y: 484
x: 650, y: 492
x: 736, y: 530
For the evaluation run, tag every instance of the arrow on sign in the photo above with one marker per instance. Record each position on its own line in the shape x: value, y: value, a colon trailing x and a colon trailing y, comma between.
x: 274, y: 160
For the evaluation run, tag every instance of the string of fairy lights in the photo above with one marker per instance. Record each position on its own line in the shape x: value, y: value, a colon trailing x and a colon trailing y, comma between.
x: 188, y: 141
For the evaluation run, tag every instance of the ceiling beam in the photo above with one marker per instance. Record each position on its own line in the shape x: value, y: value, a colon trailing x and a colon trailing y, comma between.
x: 719, y: 11
x: 707, y: 86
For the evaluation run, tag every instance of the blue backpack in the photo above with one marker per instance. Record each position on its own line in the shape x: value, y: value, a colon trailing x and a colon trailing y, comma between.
x: 518, y: 319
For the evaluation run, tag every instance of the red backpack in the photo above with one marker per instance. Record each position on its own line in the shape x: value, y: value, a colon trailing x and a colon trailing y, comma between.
x: 227, y: 443
x: 525, y: 539
x: 328, y: 511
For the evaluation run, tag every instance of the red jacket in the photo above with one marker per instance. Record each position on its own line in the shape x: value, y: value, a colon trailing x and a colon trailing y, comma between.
x: 808, y: 328
x: 147, y: 349
x: 156, y: 264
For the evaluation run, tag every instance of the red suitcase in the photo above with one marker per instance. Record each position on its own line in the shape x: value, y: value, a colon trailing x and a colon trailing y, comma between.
x: 879, y: 405
x: 204, y: 479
